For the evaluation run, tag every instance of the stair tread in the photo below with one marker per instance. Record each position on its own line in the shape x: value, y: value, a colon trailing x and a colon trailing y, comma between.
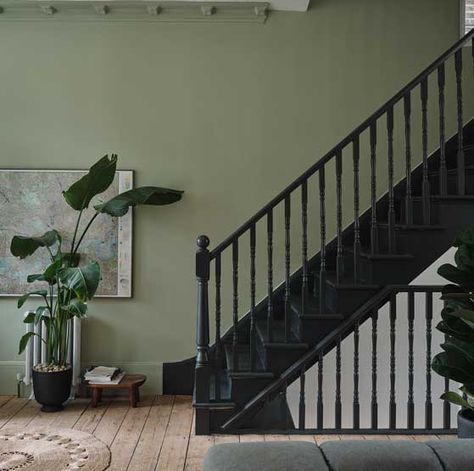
x: 348, y: 283
x: 313, y: 312
x: 415, y: 227
x: 365, y: 253
x: 278, y: 340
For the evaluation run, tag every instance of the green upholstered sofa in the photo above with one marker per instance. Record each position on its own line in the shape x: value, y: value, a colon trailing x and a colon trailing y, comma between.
x: 342, y: 455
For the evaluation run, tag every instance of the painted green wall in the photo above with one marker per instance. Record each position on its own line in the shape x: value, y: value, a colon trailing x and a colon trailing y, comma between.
x: 228, y: 112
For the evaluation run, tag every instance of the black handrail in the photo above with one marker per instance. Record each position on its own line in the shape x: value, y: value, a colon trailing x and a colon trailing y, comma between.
x: 323, y: 347
x: 343, y: 143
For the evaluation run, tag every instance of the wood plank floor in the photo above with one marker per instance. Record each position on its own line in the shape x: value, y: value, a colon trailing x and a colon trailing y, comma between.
x: 157, y: 435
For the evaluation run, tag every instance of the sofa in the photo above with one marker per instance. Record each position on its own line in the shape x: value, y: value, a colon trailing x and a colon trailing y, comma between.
x: 342, y: 455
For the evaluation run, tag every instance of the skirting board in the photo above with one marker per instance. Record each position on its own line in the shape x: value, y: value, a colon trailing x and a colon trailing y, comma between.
x: 152, y: 370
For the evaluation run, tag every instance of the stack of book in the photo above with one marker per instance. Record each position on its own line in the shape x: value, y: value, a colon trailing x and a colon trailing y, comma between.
x: 104, y: 375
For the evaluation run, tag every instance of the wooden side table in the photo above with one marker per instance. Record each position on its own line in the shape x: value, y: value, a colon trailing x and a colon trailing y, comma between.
x: 129, y: 382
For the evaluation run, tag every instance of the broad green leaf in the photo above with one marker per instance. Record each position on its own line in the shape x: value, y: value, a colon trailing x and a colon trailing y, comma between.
x: 464, y: 257
x: 22, y: 300
x: 464, y: 348
x: 452, y: 367
x: 39, y: 314
x: 151, y: 195
x: 29, y: 318
x: 24, y: 342
x: 455, y: 398
x: 83, y: 281
x: 96, y: 181
x: 76, y: 308
x: 35, y: 277
x: 465, y: 237
x: 455, y: 275
x: 464, y: 314
x: 22, y: 246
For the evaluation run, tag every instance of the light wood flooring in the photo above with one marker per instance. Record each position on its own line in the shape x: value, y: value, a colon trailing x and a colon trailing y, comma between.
x: 157, y: 435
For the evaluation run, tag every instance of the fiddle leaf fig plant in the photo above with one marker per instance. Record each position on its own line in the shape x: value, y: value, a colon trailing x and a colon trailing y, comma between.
x: 456, y: 362
x: 69, y: 286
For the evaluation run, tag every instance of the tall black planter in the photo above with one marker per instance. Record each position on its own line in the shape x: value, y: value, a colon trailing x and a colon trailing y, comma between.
x: 465, y: 423
x: 52, y: 389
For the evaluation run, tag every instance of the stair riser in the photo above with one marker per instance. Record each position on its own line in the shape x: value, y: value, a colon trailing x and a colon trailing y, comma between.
x: 312, y: 331
x: 382, y: 271
x: 417, y: 212
x: 452, y: 187
x: 243, y: 389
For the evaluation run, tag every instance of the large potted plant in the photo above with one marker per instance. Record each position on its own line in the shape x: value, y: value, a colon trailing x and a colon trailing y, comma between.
x: 68, y: 284
x: 456, y: 361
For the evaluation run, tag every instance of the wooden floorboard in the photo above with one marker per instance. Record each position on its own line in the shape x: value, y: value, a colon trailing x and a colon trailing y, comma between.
x: 157, y: 435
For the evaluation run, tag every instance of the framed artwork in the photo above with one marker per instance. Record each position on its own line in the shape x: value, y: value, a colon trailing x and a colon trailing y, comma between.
x: 31, y: 203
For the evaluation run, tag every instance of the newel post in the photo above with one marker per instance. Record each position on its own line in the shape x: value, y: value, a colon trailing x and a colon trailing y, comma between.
x: 202, y: 372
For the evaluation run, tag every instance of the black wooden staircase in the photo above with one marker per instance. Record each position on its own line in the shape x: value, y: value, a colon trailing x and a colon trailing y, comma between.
x: 402, y: 221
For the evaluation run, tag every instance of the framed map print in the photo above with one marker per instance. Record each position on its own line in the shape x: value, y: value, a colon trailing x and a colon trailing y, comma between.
x: 31, y: 203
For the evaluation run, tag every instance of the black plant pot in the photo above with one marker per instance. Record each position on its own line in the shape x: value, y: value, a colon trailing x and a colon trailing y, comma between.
x: 52, y: 389
x: 465, y: 423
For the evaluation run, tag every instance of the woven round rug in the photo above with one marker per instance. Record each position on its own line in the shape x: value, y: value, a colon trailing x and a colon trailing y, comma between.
x: 48, y: 449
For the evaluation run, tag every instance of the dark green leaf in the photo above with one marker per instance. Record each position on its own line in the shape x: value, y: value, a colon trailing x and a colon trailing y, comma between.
x: 77, y: 308
x: 24, y: 246
x: 465, y: 349
x: 29, y: 318
x: 39, y: 314
x: 24, y: 342
x: 464, y: 314
x: 455, y: 275
x: 22, y: 300
x: 36, y: 277
x: 455, y: 398
x: 465, y: 237
x: 83, y: 281
x: 464, y: 257
x: 453, y: 367
x: 151, y: 195
x: 96, y: 181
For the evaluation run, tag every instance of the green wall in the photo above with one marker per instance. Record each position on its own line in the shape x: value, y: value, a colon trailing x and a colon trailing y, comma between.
x: 228, y: 112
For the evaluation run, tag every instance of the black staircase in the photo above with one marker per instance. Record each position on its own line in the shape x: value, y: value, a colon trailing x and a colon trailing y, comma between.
x: 241, y: 380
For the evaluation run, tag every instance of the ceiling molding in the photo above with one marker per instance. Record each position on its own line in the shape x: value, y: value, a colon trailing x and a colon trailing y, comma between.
x: 135, y: 10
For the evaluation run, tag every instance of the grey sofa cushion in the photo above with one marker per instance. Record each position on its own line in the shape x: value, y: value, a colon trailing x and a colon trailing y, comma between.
x: 270, y: 456
x: 454, y: 454
x: 380, y: 456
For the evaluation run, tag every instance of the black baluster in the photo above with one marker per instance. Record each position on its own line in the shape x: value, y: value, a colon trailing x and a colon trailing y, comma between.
x: 217, y: 369
x: 428, y: 403
x: 302, y: 405
x: 393, y: 404
x: 446, y: 407
x: 320, y: 403
x: 253, y: 354
x: 424, y: 127
x: 373, y: 403
x: 410, y: 404
x: 322, y: 272
x: 287, y: 267
x: 391, y: 198
x: 304, y: 247
x: 408, y: 196
x: 338, y: 402
x: 235, y: 304
x: 460, y: 157
x: 339, y: 251
x: 355, y: 401
x: 443, y: 172
x: 373, y: 189
x: 202, y: 371
x: 270, y: 275
x: 357, y: 245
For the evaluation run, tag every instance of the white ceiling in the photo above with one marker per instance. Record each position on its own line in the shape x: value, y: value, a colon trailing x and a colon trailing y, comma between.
x: 287, y: 5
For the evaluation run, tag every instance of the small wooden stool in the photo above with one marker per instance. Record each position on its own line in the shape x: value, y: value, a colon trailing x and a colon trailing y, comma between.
x: 130, y: 382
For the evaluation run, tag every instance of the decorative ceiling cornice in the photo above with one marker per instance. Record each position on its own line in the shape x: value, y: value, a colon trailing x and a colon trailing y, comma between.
x: 133, y: 10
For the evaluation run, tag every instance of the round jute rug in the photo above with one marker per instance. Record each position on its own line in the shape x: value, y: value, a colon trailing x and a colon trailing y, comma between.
x: 49, y: 449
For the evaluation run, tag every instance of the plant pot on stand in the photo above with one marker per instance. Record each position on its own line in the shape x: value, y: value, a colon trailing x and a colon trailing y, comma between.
x: 466, y: 423
x: 52, y: 387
